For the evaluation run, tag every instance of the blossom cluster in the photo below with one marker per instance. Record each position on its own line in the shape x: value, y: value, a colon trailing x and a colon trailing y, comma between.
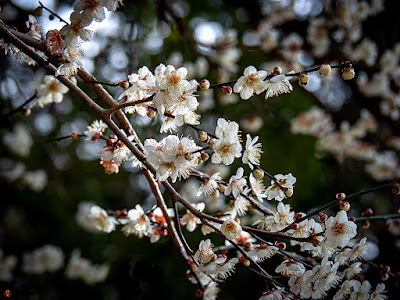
x: 348, y: 141
x: 168, y: 90
x: 135, y: 221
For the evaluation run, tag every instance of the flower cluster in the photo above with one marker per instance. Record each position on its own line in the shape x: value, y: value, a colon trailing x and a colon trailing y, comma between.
x: 168, y: 90
x: 252, y: 82
x: 81, y: 268
x: 172, y: 157
x: 45, y: 259
x: 135, y: 221
x: 211, y: 264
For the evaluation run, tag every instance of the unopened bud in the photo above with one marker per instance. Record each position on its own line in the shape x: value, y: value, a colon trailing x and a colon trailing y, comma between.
x: 124, y: 84
x: 258, y: 173
x: 151, y: 113
x: 387, y: 224
x: 204, y: 84
x: 26, y: 111
x: 211, y: 145
x: 227, y: 90
x: 365, y: 224
x: 199, y: 293
x: 368, y: 212
x: 340, y: 196
x: 352, y: 218
x: 304, y: 77
x: 385, y: 268
x: 302, y: 84
x: 294, y: 226
x: 204, y: 155
x: 221, y: 187
x: 189, y: 156
x: 289, y: 192
x: 325, y: 70
x: 344, y: 205
x: 247, y: 246
x: 51, y: 17
x: 244, y: 261
x: 348, y: 74
x: 38, y: 11
x: 74, y: 135
x: 322, y: 217
x: 277, y: 70
x: 280, y: 245
x: 189, y: 274
x: 299, y: 215
x: 202, y: 135
x: 383, y: 276
x: 396, y: 189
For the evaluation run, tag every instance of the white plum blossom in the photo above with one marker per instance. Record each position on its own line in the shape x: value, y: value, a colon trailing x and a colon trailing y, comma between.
x: 190, y: 220
x: 236, y: 184
x: 48, y: 258
x: 261, y: 252
x: 95, y: 130
x: 252, y: 152
x: 240, y: 206
x: 352, y: 270
x: 81, y: 268
x: 274, y: 294
x: 323, y: 278
x: 7, y: 264
x: 279, y: 220
x: 250, y: 83
x: 172, y: 157
x: 278, y: 84
x: 137, y: 222
x: 257, y: 187
x: 174, y: 81
x: 71, y: 32
x: 290, y: 267
x: 51, y: 91
x: 205, y: 253
x: 71, y: 55
x: 209, y: 186
x: 339, y: 230
x: 90, y: 10
x: 231, y: 229
x: 286, y: 182
x: 142, y: 86
x: 101, y: 220
x: 227, y: 144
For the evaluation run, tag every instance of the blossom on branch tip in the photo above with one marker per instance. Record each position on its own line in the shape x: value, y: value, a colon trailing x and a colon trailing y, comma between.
x: 95, y: 130
x: 250, y: 83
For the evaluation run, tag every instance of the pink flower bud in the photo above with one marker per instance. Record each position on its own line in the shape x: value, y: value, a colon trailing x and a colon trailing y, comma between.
x: 204, y: 84
x: 340, y: 196
x: 368, y: 212
x: 344, y: 205
x: 396, y: 189
x: 74, y: 135
x: 227, y: 90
